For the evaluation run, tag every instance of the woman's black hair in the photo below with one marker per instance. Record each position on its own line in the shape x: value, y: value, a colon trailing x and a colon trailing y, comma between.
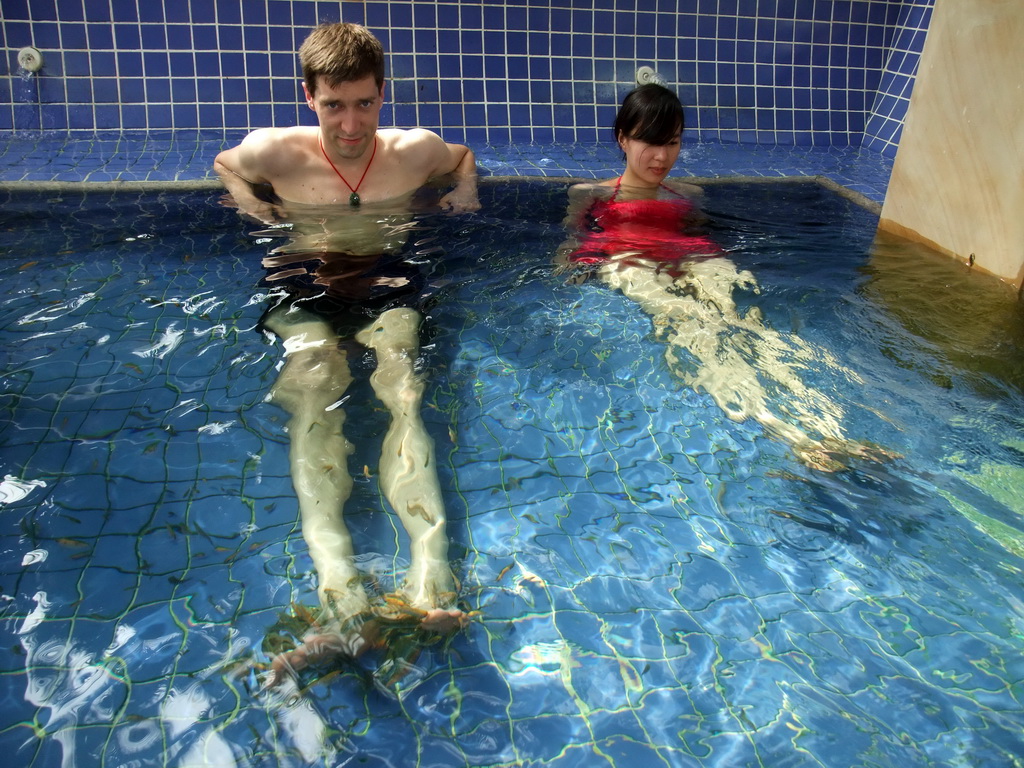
x: 651, y: 114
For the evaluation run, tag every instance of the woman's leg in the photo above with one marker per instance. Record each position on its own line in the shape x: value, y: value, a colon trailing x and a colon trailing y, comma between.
x: 736, y: 355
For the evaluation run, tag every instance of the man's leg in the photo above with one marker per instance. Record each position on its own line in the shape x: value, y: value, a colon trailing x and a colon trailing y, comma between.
x: 408, y: 474
x: 314, y: 377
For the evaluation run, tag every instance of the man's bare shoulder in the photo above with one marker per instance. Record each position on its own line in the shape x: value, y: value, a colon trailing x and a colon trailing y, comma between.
x: 278, y: 147
x: 421, y: 153
x: 403, y: 136
x: 270, y: 139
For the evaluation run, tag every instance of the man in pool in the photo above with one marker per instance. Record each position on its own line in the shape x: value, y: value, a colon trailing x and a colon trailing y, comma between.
x: 344, y: 166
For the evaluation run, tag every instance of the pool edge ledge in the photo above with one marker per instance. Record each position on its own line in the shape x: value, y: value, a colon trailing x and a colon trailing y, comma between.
x: 213, y: 185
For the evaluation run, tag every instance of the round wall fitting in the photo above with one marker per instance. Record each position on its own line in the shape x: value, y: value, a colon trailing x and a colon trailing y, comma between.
x: 646, y: 75
x: 30, y: 59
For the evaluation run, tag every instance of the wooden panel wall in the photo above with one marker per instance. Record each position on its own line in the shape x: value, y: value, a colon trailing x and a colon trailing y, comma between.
x: 958, y: 177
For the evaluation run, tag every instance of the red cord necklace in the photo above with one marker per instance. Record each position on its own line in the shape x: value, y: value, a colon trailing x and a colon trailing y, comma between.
x: 353, y: 199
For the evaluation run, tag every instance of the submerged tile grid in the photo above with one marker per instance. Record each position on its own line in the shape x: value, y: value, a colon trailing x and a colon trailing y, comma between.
x: 184, y: 156
x: 646, y: 622
x: 156, y: 517
x: 630, y: 609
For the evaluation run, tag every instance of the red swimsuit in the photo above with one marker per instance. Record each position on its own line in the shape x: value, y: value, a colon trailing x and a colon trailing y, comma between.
x: 645, y: 229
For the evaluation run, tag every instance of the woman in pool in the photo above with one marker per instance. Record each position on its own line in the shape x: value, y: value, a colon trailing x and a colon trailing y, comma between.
x: 639, y: 234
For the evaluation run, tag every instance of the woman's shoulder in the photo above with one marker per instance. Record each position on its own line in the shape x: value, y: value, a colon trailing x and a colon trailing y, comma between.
x: 594, y: 190
x: 684, y: 188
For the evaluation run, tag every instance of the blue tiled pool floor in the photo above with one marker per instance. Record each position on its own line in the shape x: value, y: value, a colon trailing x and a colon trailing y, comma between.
x: 637, y: 558
x: 188, y: 157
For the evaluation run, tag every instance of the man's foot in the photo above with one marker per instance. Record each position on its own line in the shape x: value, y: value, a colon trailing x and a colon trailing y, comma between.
x: 440, y: 621
x: 326, y: 648
x: 443, y: 621
x: 405, y: 631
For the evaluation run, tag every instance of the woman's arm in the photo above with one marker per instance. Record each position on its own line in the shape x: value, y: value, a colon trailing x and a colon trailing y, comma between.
x: 581, y: 198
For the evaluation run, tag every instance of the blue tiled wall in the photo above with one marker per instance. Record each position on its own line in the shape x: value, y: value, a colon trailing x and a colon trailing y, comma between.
x: 885, y: 122
x: 822, y: 72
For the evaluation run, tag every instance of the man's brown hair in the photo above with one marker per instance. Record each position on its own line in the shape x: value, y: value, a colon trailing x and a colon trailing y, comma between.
x: 341, y: 53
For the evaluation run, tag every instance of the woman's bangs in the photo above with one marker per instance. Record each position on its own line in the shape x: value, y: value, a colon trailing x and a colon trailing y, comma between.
x: 662, y: 129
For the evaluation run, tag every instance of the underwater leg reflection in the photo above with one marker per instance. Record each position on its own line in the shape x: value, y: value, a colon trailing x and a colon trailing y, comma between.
x: 408, y: 468
x: 313, y: 379
x: 734, y: 356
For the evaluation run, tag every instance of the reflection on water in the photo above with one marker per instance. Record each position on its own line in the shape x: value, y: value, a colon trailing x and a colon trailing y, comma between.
x: 972, y: 323
x: 657, y: 583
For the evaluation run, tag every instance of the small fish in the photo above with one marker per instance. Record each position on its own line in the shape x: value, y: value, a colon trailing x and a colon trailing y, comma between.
x: 402, y: 606
x: 27, y: 265
x: 71, y: 543
x: 504, y: 571
x: 302, y: 613
x: 134, y: 367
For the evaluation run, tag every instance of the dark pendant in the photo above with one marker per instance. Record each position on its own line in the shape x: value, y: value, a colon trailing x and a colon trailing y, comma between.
x: 353, y: 199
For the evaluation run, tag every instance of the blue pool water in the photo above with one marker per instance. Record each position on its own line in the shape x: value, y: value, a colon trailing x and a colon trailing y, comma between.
x: 656, y: 584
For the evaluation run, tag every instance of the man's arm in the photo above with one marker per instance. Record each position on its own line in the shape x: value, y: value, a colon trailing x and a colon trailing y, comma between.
x: 241, y: 171
x: 441, y: 159
x: 464, y: 196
